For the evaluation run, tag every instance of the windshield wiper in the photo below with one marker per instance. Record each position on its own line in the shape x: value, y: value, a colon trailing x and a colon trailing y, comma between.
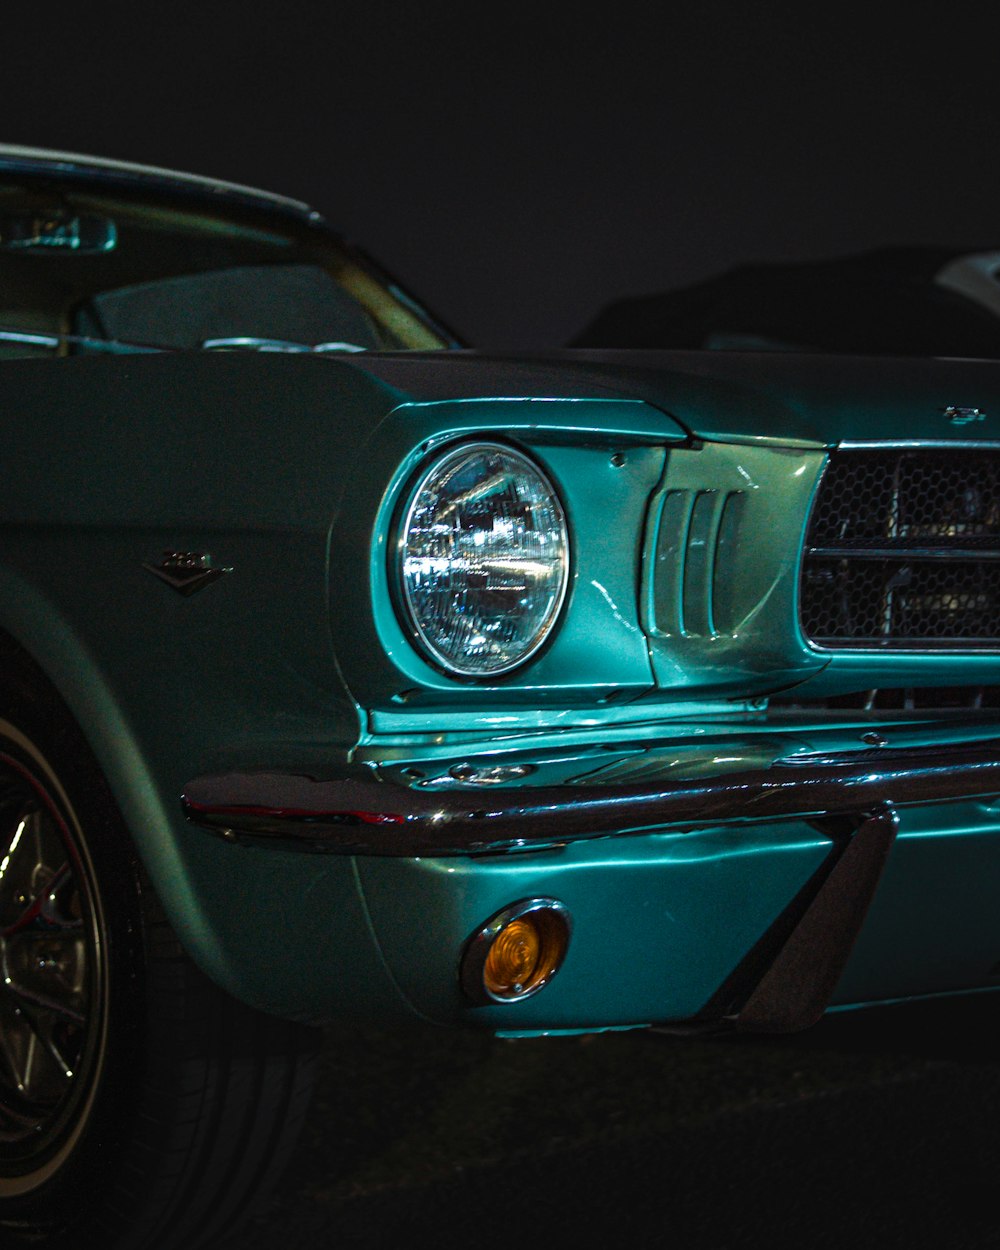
x: 250, y: 343
x: 52, y: 341
x: 119, y: 347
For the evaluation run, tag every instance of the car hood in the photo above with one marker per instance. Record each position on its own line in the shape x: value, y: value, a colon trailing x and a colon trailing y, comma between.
x: 723, y: 396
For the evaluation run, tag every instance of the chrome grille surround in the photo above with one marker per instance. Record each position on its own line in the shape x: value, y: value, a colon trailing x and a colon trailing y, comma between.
x: 903, y: 550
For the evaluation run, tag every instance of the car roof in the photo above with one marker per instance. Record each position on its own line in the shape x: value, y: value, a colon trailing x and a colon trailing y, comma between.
x: 76, y: 167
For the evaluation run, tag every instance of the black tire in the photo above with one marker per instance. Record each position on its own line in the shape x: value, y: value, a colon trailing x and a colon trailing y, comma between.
x: 141, y: 1108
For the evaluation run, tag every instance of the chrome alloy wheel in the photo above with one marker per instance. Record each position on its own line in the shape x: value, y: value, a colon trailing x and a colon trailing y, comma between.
x: 53, y: 994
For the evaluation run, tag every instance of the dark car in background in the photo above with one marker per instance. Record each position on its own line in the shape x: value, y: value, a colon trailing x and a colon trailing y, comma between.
x: 892, y: 301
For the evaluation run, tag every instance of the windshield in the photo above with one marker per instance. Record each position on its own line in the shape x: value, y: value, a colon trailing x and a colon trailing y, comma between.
x: 86, y: 273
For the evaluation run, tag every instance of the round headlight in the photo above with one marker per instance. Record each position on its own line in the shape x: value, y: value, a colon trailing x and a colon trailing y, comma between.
x: 484, y: 559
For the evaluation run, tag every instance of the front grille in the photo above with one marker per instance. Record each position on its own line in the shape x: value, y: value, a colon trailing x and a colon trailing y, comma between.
x: 903, y: 551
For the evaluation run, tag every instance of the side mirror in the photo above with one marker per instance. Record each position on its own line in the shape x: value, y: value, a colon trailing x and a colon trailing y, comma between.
x: 40, y: 232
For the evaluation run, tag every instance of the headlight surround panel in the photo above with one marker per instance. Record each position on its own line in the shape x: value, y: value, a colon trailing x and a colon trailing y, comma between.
x: 481, y: 560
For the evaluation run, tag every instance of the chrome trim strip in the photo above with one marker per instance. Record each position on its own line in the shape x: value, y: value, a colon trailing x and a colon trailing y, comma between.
x: 357, y: 815
x: 918, y: 444
x: 865, y: 648
x: 982, y: 555
x: 43, y: 162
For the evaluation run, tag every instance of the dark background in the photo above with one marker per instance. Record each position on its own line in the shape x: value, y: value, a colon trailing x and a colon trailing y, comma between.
x: 518, y: 166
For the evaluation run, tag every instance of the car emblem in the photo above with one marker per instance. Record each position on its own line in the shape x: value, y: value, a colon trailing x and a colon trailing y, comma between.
x: 963, y: 416
x: 186, y: 571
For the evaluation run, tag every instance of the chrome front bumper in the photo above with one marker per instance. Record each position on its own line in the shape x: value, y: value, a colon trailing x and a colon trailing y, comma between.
x: 783, y: 981
x: 359, y: 814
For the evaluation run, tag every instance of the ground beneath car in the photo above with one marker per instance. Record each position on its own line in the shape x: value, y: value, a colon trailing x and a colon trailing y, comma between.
x: 875, y: 1129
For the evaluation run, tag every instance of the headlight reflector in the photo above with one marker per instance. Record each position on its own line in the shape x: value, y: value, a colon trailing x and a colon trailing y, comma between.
x: 484, y: 559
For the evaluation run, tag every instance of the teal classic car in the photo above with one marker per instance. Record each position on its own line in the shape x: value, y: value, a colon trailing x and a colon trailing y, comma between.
x: 347, y: 673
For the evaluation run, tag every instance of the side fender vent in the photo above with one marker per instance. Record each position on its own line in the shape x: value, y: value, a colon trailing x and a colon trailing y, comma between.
x: 694, y: 530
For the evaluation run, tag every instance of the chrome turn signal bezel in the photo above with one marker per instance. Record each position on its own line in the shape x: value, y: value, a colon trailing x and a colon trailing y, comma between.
x: 556, y: 926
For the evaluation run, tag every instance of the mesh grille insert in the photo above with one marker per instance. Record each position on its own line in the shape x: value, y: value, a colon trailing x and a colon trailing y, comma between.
x: 903, y: 551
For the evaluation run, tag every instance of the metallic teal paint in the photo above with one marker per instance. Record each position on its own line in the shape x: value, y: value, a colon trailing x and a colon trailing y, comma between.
x: 661, y: 920
x: 606, y: 509
x: 286, y: 469
x: 934, y: 928
x: 160, y: 683
x: 658, y: 920
x: 732, y: 632
x: 796, y: 399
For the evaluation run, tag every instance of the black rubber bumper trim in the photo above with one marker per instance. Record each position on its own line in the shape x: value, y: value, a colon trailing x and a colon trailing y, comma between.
x: 786, y: 980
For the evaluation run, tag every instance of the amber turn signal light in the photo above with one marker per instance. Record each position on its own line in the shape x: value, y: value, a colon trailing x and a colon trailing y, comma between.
x: 517, y: 952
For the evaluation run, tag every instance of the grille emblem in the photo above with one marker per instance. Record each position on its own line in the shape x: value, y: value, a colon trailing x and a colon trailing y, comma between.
x: 186, y: 571
x: 963, y: 416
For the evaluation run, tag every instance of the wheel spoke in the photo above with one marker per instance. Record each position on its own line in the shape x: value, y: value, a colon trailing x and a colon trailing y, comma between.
x: 33, y: 1045
x: 33, y: 860
x: 42, y: 907
x: 14, y: 1123
x: 44, y: 960
x: 16, y: 839
x: 31, y: 1000
x: 38, y: 1076
x: 11, y: 1032
x: 44, y: 989
x: 13, y: 813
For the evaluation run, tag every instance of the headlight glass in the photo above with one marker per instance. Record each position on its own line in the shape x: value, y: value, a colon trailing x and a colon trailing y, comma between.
x: 484, y: 559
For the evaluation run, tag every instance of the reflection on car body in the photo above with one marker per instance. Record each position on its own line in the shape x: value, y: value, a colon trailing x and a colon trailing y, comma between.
x: 350, y: 673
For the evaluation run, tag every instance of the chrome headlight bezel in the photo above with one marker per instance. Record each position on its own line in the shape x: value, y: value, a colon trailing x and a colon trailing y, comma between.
x: 408, y: 611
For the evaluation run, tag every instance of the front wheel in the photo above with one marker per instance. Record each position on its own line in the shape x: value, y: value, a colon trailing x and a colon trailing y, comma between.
x: 141, y: 1108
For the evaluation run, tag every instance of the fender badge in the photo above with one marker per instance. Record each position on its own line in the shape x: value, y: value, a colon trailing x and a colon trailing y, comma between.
x: 186, y: 571
x: 963, y: 416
